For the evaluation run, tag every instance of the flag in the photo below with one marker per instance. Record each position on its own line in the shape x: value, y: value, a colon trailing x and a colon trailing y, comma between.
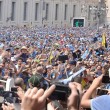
x: 104, y: 40
x: 51, y: 57
x: 84, y: 82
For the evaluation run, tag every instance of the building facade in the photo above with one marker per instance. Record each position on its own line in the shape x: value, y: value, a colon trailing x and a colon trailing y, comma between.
x: 107, y: 2
x: 46, y: 12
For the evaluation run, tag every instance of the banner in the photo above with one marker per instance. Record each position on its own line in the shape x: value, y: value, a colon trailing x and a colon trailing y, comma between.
x: 104, y: 40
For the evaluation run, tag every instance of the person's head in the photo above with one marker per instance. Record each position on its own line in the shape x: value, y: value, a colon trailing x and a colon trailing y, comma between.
x: 100, y: 45
x: 44, y: 70
x: 79, y: 63
x: 55, y: 65
x: 34, y: 82
x: 19, y: 82
x: 7, y: 64
x: 19, y: 61
x: 91, y: 63
x: 99, y: 67
x: 24, y: 49
x: 102, y: 57
x: 29, y: 60
x: 39, y: 69
x: 71, y: 64
x: 16, y: 49
x: 49, y: 68
x: 8, y: 50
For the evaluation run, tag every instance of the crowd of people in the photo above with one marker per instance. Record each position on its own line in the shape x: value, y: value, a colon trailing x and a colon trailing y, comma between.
x: 37, y: 57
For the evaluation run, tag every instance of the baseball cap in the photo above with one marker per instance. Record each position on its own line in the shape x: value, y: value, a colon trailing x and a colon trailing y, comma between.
x: 8, y: 49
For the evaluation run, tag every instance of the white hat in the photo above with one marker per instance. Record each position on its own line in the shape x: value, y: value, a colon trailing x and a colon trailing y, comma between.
x: 24, y: 47
x: 48, y: 66
x: 13, y: 59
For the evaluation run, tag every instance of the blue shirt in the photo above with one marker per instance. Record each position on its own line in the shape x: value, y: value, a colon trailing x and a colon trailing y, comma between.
x: 85, y: 54
x: 101, y: 103
x: 25, y: 78
x: 70, y: 46
x: 33, y: 55
x: 24, y: 57
x: 45, y: 75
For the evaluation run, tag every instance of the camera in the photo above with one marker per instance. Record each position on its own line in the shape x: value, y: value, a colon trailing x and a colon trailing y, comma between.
x: 61, y: 92
x: 14, y: 89
x: 9, y: 96
x: 63, y: 58
x: 106, y: 79
x: 101, y: 92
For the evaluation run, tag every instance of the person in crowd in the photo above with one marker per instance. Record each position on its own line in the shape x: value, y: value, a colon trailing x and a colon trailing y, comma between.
x: 20, y: 66
x: 37, y: 98
x: 98, y: 103
x: 70, y: 67
x: 19, y: 83
x: 24, y: 53
x: 31, y: 57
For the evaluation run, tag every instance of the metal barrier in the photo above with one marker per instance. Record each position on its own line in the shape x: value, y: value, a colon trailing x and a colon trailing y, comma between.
x: 8, y: 84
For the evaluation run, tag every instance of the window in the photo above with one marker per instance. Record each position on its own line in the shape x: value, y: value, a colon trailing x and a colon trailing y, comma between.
x: 47, y: 12
x: 36, y: 11
x: 89, y: 12
x: 25, y: 11
x: 95, y: 14
x: 0, y: 10
x: 56, y: 11
x: 74, y: 10
x: 43, y: 5
x: 65, y: 12
x: 13, y: 11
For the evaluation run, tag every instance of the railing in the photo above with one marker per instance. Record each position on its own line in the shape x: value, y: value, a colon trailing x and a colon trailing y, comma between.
x: 8, y: 84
